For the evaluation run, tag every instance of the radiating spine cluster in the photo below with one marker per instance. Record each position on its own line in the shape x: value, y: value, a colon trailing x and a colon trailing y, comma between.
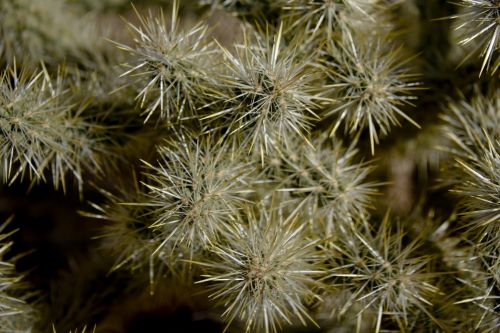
x: 167, y: 64
x: 44, y: 135
x: 384, y: 275
x: 195, y: 192
x: 263, y: 93
x: 327, y: 181
x: 265, y: 272
x: 473, y: 127
x: 478, y: 24
x: 370, y: 83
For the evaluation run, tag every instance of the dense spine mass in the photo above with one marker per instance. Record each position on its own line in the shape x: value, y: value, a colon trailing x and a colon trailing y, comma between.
x: 301, y: 166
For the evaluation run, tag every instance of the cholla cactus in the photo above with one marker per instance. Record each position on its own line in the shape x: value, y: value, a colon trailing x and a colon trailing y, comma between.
x: 265, y: 93
x: 16, y: 315
x: 184, y: 205
x: 48, y: 30
x: 329, y: 15
x: 126, y: 235
x: 371, y: 84
x: 479, y: 188
x: 480, y: 279
x: 326, y: 181
x: 473, y: 123
x: 43, y: 134
x: 265, y: 272
x: 168, y: 64
x: 473, y: 128
x: 231, y: 173
x: 474, y: 177
x: 195, y: 192
x: 382, y: 273
x: 478, y: 24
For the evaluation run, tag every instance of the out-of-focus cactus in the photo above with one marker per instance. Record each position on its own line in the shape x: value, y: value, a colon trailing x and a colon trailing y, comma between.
x: 16, y: 315
x: 478, y: 25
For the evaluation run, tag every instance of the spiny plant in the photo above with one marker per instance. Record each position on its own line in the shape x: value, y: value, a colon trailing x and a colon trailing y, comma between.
x: 371, y: 84
x: 42, y: 132
x: 480, y: 187
x: 480, y: 277
x: 478, y: 24
x: 16, y: 315
x: 265, y: 271
x: 265, y: 93
x: 327, y: 180
x: 473, y: 122
x: 136, y: 245
x: 48, y: 30
x: 468, y: 298
x: 383, y: 273
x: 126, y: 235
x: 182, y: 201
x: 473, y: 129
x: 254, y: 183
x: 327, y: 16
x: 167, y: 64
x: 62, y: 34
x: 195, y: 191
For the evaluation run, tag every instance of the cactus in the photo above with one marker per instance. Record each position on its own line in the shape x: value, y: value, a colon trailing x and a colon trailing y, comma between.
x: 300, y: 166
